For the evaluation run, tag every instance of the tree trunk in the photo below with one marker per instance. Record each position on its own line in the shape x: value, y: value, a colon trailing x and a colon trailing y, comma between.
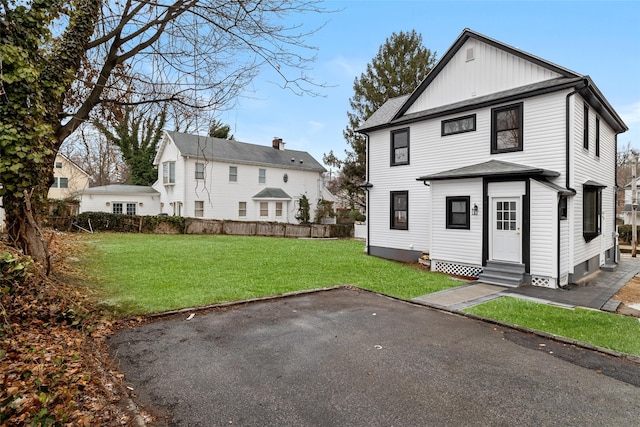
x: 24, y: 226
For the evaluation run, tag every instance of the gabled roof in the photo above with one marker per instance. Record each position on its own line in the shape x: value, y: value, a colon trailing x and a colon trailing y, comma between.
x: 494, y: 168
x: 120, y: 189
x: 223, y: 150
x: 396, y: 108
x: 272, y: 193
x: 74, y: 164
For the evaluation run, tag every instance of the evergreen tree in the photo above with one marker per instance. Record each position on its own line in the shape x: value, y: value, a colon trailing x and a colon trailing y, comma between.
x: 220, y: 130
x: 401, y: 64
x: 137, y: 137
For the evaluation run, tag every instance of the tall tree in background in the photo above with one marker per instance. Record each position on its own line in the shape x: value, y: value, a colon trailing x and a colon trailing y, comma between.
x: 61, y: 61
x: 137, y: 134
x: 401, y: 64
x: 220, y: 130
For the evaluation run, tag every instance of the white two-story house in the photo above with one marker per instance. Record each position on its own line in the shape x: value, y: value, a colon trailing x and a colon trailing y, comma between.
x: 215, y: 178
x: 500, y: 165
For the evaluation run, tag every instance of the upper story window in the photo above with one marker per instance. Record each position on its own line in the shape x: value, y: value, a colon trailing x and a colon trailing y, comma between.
x: 400, y: 210
x: 60, y: 182
x: 58, y: 165
x: 506, y: 129
x: 199, y: 170
x: 169, y: 173
x: 597, y: 137
x: 459, y: 125
x: 262, y: 176
x: 400, y: 147
x: 585, y: 128
x: 233, y: 174
x: 458, y: 212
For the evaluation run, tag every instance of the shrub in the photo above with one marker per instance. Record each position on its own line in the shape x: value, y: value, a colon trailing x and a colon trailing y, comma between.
x: 625, y: 232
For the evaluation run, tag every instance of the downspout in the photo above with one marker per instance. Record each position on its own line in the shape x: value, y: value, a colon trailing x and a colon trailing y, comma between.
x: 366, y: 135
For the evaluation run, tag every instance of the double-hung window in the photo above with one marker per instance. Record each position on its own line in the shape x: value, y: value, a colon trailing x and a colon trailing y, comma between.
x: 597, y: 137
x: 585, y: 128
x: 198, y: 209
x: 262, y: 176
x: 400, y: 147
x: 506, y: 129
x: 458, y: 215
x: 264, y: 209
x: 233, y: 174
x: 400, y: 210
x: 591, y: 211
x: 242, y: 208
x: 278, y: 209
x: 199, y: 170
x: 169, y: 172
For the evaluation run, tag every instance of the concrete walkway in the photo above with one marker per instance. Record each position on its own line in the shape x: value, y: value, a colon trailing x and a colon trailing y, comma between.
x: 595, y: 291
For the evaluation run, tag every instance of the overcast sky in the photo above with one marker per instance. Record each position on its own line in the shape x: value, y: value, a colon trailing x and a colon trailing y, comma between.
x: 597, y: 38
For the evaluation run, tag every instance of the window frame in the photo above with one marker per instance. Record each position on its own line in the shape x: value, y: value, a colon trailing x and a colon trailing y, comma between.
x: 585, y: 127
x: 595, y: 211
x: 58, y: 165
x: 199, y: 171
x: 114, y: 205
x: 63, y: 182
x: 198, y: 208
x: 242, y: 209
x: 597, y: 136
x: 393, y: 224
x: 494, y: 128
x: 169, y: 173
x: 131, y: 208
x: 450, y: 223
x: 55, y: 182
x: 262, y: 176
x: 457, y: 119
x: 264, y: 209
x: 394, y: 149
x: 233, y: 174
x: 279, y: 209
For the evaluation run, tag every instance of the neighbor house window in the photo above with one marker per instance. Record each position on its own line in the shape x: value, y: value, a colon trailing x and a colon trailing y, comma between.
x: 169, y: 173
x: 506, y: 129
x: 233, y: 174
x: 198, y: 209
x: 131, y: 208
x: 199, y: 170
x: 58, y: 165
x: 116, y: 208
x: 459, y: 125
x: 458, y: 215
x: 278, y: 209
x: 264, y: 209
x: 262, y: 176
x: 63, y: 183
x: 400, y: 147
x: 242, y: 208
x: 591, y: 211
x: 597, y: 137
x: 400, y: 210
x: 55, y: 182
x: 585, y: 128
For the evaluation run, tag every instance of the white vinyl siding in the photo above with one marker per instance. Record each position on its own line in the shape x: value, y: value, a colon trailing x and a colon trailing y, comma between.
x: 457, y: 245
x: 544, y: 230
x: 492, y: 70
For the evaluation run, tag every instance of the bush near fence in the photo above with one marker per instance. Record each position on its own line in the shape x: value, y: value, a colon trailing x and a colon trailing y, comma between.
x: 625, y: 231
x: 103, y: 221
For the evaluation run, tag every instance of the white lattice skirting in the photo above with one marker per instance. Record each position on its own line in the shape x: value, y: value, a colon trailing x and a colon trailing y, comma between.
x: 545, y: 282
x: 455, y: 269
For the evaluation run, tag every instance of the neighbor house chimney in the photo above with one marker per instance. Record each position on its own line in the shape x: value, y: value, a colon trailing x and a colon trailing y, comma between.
x: 277, y: 143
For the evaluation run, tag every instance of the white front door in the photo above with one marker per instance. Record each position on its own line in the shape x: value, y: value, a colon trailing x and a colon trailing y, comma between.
x: 506, y: 243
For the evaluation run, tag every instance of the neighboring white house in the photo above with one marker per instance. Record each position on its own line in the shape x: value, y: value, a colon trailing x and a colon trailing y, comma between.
x: 221, y: 179
x: 500, y: 165
x: 68, y: 179
x: 627, y: 210
x: 120, y: 199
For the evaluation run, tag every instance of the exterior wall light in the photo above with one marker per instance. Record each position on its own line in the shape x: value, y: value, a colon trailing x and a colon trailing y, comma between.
x: 474, y: 211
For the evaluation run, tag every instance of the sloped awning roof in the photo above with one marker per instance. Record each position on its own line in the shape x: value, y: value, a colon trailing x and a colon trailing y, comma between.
x: 492, y: 168
x: 272, y: 193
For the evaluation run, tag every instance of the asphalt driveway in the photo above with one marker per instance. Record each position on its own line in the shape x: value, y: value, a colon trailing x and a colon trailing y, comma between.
x: 350, y: 357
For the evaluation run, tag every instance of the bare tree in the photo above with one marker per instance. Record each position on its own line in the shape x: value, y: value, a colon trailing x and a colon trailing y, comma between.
x: 65, y: 61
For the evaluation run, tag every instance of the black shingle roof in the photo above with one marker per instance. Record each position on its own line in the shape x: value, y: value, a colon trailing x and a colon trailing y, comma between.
x: 490, y: 168
x: 216, y: 149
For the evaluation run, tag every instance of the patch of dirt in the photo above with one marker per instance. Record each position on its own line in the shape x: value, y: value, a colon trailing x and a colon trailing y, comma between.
x: 629, y: 295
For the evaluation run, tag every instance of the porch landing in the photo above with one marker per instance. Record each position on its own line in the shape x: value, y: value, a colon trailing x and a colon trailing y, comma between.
x: 593, y: 292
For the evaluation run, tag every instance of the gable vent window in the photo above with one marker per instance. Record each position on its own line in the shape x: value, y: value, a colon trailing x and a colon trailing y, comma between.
x: 470, y: 54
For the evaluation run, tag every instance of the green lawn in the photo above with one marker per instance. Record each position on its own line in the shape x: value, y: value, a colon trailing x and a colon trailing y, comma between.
x: 605, y: 330
x: 142, y: 273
